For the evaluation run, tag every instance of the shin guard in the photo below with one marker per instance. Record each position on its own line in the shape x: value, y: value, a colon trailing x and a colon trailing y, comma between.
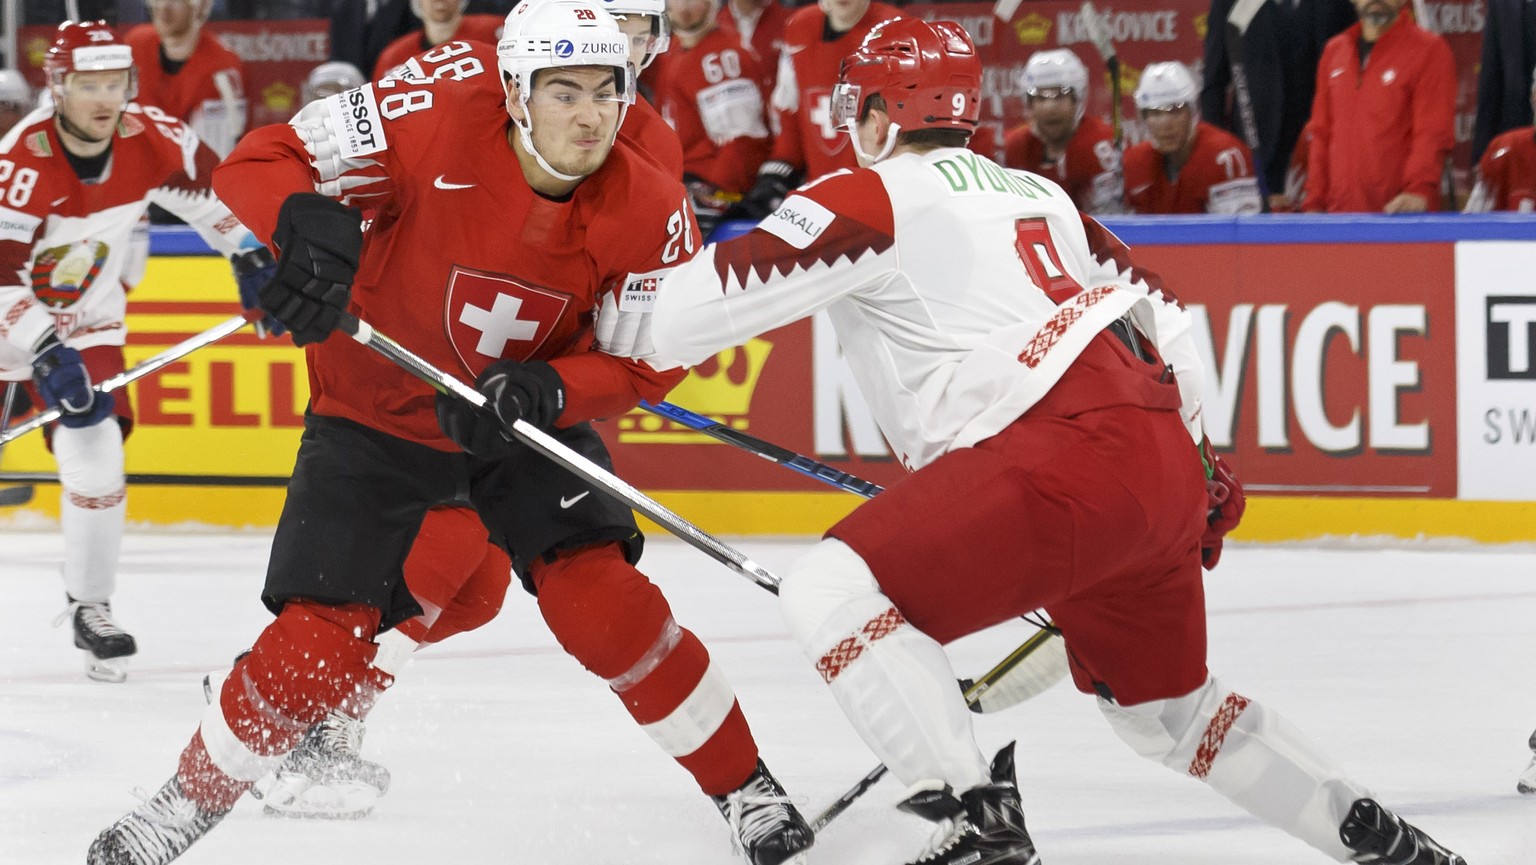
x: 1247, y: 753
x: 93, y: 506
x: 608, y: 616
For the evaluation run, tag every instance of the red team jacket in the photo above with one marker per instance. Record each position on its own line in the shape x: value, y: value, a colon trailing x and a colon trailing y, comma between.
x: 714, y: 75
x: 1506, y: 175
x: 1090, y: 171
x: 802, y: 99
x: 463, y: 262
x: 1218, y: 178
x: 475, y: 28
x: 1383, y: 130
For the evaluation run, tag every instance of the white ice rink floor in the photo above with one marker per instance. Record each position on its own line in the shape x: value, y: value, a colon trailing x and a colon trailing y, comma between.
x: 1416, y: 669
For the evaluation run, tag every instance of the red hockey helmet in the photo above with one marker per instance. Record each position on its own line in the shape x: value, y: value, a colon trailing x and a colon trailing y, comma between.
x: 87, y: 46
x: 928, y: 73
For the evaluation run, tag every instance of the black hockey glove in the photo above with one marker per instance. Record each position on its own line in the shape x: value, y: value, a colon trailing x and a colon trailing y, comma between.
x: 320, y: 242
x: 513, y: 391
x: 64, y: 384
x: 255, y: 268
x: 774, y: 181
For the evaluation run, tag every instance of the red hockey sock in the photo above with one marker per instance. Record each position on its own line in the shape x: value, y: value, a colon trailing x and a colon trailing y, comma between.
x: 614, y: 621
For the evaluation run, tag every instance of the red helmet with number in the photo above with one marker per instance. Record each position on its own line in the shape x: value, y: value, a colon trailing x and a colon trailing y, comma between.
x: 928, y: 73
x: 87, y: 46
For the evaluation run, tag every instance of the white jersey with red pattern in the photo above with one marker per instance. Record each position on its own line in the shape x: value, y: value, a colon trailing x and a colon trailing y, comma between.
x: 67, y: 247
x: 463, y: 262
x: 960, y: 292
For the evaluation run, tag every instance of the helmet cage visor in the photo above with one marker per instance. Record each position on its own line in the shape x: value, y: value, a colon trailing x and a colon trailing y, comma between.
x: 847, y: 99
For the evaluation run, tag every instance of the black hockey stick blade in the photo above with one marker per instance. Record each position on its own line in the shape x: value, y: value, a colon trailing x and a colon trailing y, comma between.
x: 11, y: 497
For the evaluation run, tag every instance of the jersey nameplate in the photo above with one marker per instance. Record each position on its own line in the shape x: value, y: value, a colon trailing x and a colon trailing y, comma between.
x: 798, y: 221
x: 18, y: 226
x: 358, y: 124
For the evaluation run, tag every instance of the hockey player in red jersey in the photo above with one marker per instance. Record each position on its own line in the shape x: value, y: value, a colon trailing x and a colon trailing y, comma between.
x: 712, y: 94
x: 805, y: 143
x: 526, y: 236
x: 441, y: 21
x: 1506, y: 180
x: 78, y: 176
x: 1060, y: 141
x: 186, y: 73
x: 1046, y: 396
x: 1188, y: 166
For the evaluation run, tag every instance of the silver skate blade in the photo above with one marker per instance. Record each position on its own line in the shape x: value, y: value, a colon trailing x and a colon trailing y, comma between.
x: 114, y: 670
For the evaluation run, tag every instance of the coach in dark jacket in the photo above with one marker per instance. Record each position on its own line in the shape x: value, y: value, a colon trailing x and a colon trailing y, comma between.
x: 1281, y: 50
x: 1504, y: 85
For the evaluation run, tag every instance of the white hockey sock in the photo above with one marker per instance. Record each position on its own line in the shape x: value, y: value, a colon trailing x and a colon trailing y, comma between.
x: 893, y: 682
x: 1249, y: 754
x: 93, y: 506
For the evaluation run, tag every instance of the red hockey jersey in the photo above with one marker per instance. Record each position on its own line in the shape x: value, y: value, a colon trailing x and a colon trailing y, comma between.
x: 66, y: 246
x: 463, y: 262
x: 1090, y: 170
x: 804, y: 135
x: 764, y: 34
x: 472, y: 28
x: 1506, y: 175
x: 1218, y: 178
x: 1385, y: 129
x: 207, y: 91
x: 712, y: 94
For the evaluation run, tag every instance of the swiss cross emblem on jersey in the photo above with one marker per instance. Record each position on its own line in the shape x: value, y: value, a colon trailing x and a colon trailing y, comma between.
x: 492, y: 316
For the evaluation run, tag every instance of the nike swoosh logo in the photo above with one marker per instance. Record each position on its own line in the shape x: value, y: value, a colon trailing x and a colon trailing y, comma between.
x: 59, y: 201
x: 440, y: 183
x: 567, y: 502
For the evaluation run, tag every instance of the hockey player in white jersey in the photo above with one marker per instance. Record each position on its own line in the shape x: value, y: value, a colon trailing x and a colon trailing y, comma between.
x: 1046, y: 396
x: 76, y: 177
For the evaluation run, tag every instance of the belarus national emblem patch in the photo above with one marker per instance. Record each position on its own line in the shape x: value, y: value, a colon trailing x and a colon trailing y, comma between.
x: 61, y: 275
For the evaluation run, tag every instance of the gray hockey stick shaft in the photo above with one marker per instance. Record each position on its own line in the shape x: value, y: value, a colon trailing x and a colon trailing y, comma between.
x: 527, y: 433
x: 169, y: 356
x: 11, y: 496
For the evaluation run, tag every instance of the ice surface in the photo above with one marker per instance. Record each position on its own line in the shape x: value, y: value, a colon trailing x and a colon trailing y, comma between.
x: 1413, y: 668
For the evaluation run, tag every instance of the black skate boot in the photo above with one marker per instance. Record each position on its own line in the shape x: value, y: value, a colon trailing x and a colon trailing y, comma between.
x: 155, y: 832
x: 1527, y: 782
x: 325, y: 777
x: 1380, y: 837
x: 984, y: 826
x: 765, y: 825
x: 104, y: 642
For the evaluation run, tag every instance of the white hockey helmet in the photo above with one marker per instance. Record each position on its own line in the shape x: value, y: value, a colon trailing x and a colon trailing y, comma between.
x: 15, y: 90
x: 1057, y: 69
x: 331, y: 78
x: 421, y: 14
x: 1165, y: 85
x: 548, y: 34
x: 661, y: 29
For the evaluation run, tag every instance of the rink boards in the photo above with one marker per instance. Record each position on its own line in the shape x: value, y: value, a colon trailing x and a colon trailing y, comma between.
x: 1367, y: 377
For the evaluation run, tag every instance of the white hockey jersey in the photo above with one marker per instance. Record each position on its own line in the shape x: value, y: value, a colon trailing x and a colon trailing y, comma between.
x: 960, y: 292
x: 67, y: 247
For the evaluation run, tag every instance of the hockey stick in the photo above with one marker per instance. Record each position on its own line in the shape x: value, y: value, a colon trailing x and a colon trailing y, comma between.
x: 1098, y: 33
x: 170, y: 355
x: 767, y: 450
x: 547, y: 445
x: 1238, y: 20
x: 975, y: 693
x: 11, y: 496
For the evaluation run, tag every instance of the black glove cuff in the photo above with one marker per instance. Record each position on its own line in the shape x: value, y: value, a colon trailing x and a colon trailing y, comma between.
x: 777, y: 169
x: 249, y: 261
x: 323, y: 223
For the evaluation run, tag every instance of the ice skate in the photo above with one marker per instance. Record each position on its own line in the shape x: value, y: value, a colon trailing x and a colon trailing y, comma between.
x: 766, y: 828
x: 1527, y: 782
x: 1380, y: 837
x: 324, y: 777
x: 107, y: 647
x: 984, y: 826
x: 156, y: 832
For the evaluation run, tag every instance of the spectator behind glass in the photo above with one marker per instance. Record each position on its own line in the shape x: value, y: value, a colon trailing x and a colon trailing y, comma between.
x: 1059, y: 142
x: 1384, y: 117
x: 441, y: 21
x: 1187, y: 166
x: 1509, y: 52
x: 1281, y: 48
x: 1506, y: 175
x: 15, y: 99
x: 186, y: 73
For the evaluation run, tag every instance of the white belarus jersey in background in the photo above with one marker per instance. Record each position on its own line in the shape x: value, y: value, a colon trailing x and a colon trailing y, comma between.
x: 66, y: 247
x: 960, y: 292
